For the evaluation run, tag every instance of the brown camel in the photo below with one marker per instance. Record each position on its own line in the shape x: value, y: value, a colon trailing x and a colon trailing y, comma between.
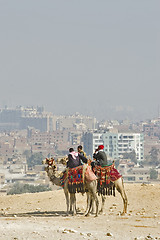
x: 51, y: 170
x: 119, y: 185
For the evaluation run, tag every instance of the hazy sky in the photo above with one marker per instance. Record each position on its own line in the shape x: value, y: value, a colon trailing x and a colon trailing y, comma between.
x: 98, y: 58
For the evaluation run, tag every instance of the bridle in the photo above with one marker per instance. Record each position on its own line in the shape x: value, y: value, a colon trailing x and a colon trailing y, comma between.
x: 50, y: 162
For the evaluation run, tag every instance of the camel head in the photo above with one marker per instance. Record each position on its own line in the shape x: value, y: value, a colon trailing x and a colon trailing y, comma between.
x: 51, y: 164
x: 49, y: 161
x: 51, y: 170
x: 63, y: 161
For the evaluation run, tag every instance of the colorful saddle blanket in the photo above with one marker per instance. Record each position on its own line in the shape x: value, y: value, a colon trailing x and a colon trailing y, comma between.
x: 75, y: 179
x: 106, y: 177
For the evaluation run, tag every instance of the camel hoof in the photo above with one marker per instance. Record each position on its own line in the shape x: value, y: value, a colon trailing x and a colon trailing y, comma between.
x: 96, y: 215
x: 67, y: 214
x: 101, y: 212
x: 122, y: 214
x: 78, y: 210
x: 86, y: 215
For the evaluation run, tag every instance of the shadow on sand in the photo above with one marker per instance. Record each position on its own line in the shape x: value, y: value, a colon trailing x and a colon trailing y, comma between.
x: 40, y: 214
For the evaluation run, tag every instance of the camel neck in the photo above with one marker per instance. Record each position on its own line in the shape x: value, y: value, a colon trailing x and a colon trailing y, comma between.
x: 55, y: 180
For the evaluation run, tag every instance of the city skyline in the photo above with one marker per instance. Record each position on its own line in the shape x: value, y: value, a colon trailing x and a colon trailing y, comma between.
x: 42, y: 110
x: 95, y: 58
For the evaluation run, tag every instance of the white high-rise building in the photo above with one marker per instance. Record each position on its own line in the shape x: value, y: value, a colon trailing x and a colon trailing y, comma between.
x: 127, y: 142
x: 115, y: 144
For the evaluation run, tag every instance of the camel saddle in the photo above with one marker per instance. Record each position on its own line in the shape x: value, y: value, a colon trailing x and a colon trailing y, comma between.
x: 76, y: 177
x: 106, y: 176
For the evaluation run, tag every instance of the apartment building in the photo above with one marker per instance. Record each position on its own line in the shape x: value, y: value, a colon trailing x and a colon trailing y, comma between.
x: 115, y: 144
x: 151, y: 129
x: 127, y: 142
x: 6, y: 150
x: 110, y: 142
x: 52, y: 137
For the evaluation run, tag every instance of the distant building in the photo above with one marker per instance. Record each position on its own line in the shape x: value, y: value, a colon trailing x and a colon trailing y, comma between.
x: 151, y: 129
x: 9, y: 119
x: 115, y: 144
x: 24, y: 117
x: 52, y: 137
x: 111, y: 146
x: 141, y: 175
x: 88, y: 143
x: 2, y: 179
x: 127, y: 142
x: 76, y: 121
x: 21, y: 118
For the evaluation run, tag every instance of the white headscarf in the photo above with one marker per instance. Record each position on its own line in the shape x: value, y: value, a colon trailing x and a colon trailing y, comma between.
x: 74, y: 154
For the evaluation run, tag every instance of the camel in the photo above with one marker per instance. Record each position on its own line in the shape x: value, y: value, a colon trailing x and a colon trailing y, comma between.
x: 119, y: 185
x: 51, y: 170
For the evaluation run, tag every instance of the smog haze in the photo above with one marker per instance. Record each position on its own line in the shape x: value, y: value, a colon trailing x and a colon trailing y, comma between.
x: 98, y: 58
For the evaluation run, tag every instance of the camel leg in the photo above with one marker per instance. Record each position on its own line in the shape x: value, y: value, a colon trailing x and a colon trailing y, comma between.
x: 103, y: 201
x: 92, y: 187
x: 67, y: 201
x: 90, y: 201
x: 94, y: 196
x: 73, y: 203
x: 67, y: 197
x: 120, y: 188
x: 89, y: 204
x: 93, y: 206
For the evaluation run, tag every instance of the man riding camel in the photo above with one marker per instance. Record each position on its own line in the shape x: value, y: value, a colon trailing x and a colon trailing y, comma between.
x: 74, y: 159
x: 80, y: 150
x: 100, y: 156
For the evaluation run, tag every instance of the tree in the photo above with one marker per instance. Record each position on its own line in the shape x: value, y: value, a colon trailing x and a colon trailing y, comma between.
x: 27, y: 153
x: 19, y: 188
x: 34, y: 159
x: 153, y: 174
x: 130, y: 155
x: 117, y: 163
x: 154, y: 156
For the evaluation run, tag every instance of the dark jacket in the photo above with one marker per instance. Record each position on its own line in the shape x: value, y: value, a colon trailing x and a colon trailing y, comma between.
x: 101, y: 158
x: 75, y: 162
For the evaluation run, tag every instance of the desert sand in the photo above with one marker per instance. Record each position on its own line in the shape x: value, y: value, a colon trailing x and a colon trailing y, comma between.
x: 43, y: 216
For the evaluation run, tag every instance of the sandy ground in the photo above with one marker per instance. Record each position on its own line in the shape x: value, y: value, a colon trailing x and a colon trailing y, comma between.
x: 43, y: 216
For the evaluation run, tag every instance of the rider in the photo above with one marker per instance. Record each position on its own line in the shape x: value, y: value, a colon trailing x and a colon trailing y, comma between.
x: 81, y: 152
x: 79, y: 149
x: 74, y: 159
x: 100, y: 156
